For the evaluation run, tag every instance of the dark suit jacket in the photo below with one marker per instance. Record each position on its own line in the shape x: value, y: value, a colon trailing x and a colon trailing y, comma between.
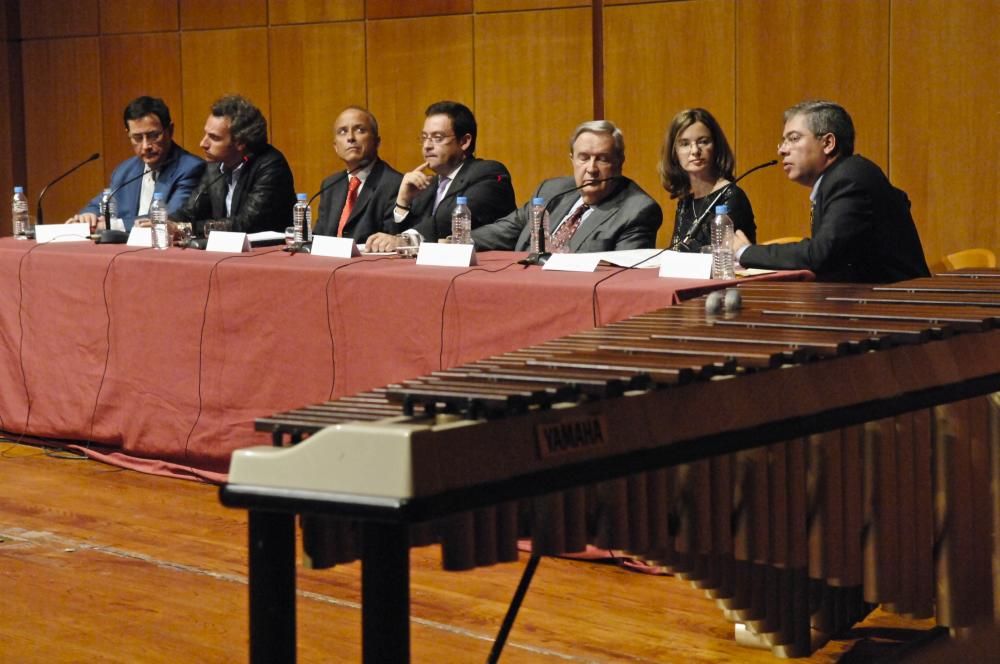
x: 176, y: 180
x: 862, y: 231
x: 485, y: 183
x: 627, y: 219
x: 373, y: 207
x: 263, y: 199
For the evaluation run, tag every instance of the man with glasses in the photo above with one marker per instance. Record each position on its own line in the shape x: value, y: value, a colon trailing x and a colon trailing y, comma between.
x: 598, y: 209
x: 862, y: 230
x: 425, y: 200
x: 159, y: 165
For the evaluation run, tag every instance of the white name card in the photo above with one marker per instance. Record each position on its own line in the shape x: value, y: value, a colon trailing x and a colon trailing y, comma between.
x: 230, y: 242
x: 446, y: 255
x: 117, y: 224
x: 62, y: 232
x: 682, y: 265
x: 586, y: 262
x: 140, y: 237
x: 334, y: 247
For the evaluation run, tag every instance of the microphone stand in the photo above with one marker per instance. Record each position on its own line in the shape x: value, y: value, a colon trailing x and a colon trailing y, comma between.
x: 38, y: 205
x: 695, y: 226
x: 542, y: 256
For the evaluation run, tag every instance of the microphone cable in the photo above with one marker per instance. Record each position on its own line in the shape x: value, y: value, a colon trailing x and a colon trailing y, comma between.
x: 329, y: 315
x: 449, y: 290
x: 201, y: 336
x: 107, y: 335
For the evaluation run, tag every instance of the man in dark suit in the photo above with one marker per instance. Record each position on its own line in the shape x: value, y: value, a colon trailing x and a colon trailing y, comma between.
x: 424, y: 202
x: 607, y: 210
x: 357, y: 202
x: 159, y: 165
x: 248, y: 181
x: 862, y: 230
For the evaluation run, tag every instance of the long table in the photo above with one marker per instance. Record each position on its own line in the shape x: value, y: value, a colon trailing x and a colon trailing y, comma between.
x: 162, y: 360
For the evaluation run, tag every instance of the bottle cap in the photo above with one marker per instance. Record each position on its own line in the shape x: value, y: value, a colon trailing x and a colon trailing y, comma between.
x: 538, y: 200
x: 18, y: 190
x: 157, y: 195
x: 722, y: 209
x: 301, y: 197
x: 461, y: 200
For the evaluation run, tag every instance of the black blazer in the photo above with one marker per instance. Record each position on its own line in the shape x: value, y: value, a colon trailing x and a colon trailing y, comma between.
x: 862, y: 231
x: 485, y: 183
x: 373, y: 207
x: 263, y: 199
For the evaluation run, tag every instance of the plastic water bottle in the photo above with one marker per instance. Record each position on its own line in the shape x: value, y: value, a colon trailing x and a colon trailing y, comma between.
x: 722, y: 244
x: 109, y: 205
x: 539, y: 230
x: 302, y: 219
x: 19, y: 214
x: 461, y: 222
x: 158, y: 217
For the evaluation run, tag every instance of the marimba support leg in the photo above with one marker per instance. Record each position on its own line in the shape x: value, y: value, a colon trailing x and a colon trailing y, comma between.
x: 515, y: 606
x: 272, y: 586
x: 385, y: 593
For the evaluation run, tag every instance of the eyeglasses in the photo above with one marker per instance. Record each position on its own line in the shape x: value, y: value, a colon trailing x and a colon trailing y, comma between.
x: 149, y: 137
x: 687, y: 145
x: 437, y: 138
x: 790, y: 140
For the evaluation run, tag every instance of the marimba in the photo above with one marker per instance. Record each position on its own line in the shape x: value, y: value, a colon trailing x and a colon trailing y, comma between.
x: 821, y: 450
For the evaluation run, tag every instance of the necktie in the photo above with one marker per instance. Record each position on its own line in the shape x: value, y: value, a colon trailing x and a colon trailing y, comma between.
x: 352, y: 196
x: 442, y: 188
x: 560, y: 239
x: 146, y: 193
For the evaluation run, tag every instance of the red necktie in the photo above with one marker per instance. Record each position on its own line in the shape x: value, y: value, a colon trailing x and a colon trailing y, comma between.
x: 352, y: 196
x: 560, y: 239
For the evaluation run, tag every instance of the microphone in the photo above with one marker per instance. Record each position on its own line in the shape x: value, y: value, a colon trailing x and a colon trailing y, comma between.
x: 499, y: 177
x: 105, y: 211
x: 340, y: 178
x: 38, y: 205
x: 541, y: 256
x: 695, y: 226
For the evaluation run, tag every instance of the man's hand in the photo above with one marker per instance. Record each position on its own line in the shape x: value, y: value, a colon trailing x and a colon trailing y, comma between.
x: 96, y: 223
x: 382, y: 242
x: 739, y: 241
x: 413, y: 183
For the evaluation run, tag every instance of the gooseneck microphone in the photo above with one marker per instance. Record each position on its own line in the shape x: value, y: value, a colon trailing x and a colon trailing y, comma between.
x: 106, y: 208
x: 697, y: 223
x: 340, y: 178
x: 38, y: 205
x: 541, y: 256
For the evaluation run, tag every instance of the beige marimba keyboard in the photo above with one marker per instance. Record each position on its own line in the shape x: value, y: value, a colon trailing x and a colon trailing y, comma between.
x: 820, y: 450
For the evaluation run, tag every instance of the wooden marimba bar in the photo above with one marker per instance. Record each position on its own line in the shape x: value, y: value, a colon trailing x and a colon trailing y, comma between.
x: 822, y: 450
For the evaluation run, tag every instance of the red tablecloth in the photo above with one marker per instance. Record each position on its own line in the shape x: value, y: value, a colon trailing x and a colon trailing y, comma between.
x: 162, y: 360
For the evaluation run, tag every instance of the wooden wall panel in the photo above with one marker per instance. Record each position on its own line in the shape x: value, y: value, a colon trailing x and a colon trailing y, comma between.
x: 486, y: 6
x: 61, y: 72
x: 119, y: 16
x: 410, y: 66
x: 57, y: 18
x: 395, y: 9
x: 945, y: 142
x: 791, y: 50
x: 538, y: 90
x: 206, y: 76
x: 682, y: 65
x: 201, y: 14
x: 11, y: 167
x: 314, y: 11
x: 322, y: 67
x: 122, y: 81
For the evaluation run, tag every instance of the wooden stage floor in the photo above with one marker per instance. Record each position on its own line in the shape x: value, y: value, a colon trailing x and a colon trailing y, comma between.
x: 99, y: 564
